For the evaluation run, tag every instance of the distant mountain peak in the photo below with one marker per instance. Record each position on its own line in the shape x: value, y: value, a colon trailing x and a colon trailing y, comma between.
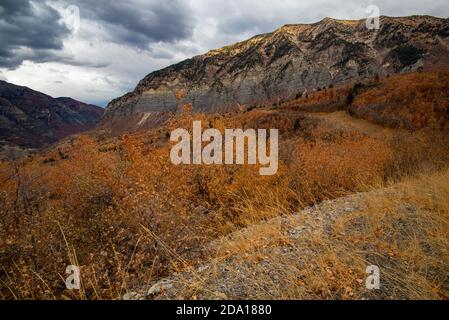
x: 32, y: 119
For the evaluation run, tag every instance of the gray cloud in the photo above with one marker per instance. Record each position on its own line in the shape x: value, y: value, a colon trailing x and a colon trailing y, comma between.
x: 119, y: 42
x: 139, y: 23
x: 29, y: 31
x: 34, y: 31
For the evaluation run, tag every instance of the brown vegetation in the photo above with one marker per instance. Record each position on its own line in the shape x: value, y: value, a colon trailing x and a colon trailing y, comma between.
x: 128, y: 216
x: 323, y: 252
x: 412, y: 101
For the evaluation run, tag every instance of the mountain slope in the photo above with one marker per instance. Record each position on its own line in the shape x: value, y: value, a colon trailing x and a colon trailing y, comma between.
x: 278, y: 65
x: 323, y: 252
x: 124, y: 200
x: 32, y: 119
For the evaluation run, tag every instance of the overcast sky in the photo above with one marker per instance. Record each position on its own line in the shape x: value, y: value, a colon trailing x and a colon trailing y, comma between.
x: 116, y: 43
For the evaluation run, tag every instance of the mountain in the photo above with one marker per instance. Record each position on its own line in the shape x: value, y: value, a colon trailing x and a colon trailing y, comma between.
x: 31, y: 119
x: 281, y: 64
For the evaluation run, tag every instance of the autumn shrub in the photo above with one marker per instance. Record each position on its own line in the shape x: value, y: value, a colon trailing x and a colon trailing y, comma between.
x: 326, y: 170
x: 120, y: 210
x: 330, y: 100
x: 324, y: 252
x: 412, y: 101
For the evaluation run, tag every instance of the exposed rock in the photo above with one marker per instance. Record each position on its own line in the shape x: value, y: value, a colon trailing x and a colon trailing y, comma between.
x: 160, y: 287
x: 133, y: 296
x: 203, y: 268
x: 270, y: 67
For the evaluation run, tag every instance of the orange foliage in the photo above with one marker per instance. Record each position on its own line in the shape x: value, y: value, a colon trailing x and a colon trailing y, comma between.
x: 95, y: 199
x: 412, y: 101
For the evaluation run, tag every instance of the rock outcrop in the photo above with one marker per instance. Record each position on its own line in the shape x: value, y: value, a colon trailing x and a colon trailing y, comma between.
x: 278, y: 65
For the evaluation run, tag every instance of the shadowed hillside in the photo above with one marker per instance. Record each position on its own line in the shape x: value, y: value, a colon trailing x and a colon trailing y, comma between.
x: 30, y: 119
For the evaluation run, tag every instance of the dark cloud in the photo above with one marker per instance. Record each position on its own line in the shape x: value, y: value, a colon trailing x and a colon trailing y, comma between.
x: 33, y: 30
x: 29, y: 31
x: 117, y: 43
x: 241, y: 24
x: 139, y: 23
x: 161, y: 54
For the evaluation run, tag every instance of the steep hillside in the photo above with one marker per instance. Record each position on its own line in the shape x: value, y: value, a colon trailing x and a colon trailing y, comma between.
x: 281, y: 64
x: 412, y: 101
x: 32, y: 119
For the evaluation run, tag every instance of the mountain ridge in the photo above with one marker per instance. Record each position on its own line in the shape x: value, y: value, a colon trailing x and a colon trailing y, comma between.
x: 32, y: 119
x: 290, y: 60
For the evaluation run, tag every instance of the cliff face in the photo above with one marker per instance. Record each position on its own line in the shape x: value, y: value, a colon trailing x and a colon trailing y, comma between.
x: 32, y: 119
x: 281, y: 64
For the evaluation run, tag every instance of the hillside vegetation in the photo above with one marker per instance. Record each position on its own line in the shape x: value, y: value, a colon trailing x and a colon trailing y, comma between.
x: 118, y: 208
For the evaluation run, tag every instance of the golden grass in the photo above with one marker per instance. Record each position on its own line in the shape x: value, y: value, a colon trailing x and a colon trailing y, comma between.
x: 121, y: 211
x: 403, y: 229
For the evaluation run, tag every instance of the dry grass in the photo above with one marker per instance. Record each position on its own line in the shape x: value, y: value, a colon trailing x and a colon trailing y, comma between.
x: 127, y: 217
x: 323, y: 252
x: 412, y: 101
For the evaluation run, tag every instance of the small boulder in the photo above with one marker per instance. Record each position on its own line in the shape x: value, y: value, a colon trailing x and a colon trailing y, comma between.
x: 160, y: 287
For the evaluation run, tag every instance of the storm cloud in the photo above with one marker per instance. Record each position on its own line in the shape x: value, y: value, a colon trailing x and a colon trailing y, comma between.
x: 140, y: 23
x: 117, y: 43
x: 29, y: 31
x: 35, y: 30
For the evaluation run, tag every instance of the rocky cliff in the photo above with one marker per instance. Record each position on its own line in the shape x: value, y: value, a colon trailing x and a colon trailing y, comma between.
x: 281, y: 64
x: 32, y: 119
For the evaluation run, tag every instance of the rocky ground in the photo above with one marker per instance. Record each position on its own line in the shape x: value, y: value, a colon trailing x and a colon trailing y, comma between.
x: 283, y: 239
x: 323, y: 252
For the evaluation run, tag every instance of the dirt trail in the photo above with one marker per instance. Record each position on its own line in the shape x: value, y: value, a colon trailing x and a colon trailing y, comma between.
x: 364, y: 126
